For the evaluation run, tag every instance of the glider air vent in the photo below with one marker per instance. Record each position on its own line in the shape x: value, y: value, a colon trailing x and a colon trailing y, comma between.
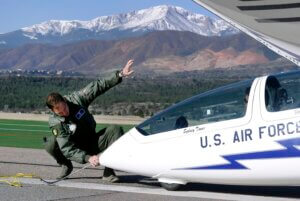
x: 278, y: 7
x: 289, y: 19
x: 270, y: 7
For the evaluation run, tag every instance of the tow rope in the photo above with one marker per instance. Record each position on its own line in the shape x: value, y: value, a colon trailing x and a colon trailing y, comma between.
x: 51, y: 182
x: 15, y: 180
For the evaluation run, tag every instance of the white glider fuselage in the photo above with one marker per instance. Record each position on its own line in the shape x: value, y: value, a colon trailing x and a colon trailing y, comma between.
x: 222, y: 139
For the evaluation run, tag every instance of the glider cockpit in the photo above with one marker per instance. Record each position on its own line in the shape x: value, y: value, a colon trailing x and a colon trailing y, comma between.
x: 222, y: 104
x: 225, y: 103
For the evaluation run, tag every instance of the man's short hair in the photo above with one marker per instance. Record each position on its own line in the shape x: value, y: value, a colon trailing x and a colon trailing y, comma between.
x: 54, y: 98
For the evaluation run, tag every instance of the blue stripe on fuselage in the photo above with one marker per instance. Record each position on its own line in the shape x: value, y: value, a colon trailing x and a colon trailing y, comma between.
x: 289, y: 152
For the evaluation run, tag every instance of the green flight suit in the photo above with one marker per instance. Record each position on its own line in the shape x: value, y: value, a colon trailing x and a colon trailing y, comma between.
x: 74, y: 137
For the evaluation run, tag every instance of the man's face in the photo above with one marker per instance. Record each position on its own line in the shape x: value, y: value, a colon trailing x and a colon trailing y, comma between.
x: 61, y: 109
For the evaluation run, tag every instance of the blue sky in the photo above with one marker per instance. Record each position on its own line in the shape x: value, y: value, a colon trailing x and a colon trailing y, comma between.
x: 15, y: 14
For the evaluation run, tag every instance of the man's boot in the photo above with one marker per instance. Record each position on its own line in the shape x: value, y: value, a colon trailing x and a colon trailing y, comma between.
x: 67, y: 168
x: 109, y: 175
x: 52, y: 148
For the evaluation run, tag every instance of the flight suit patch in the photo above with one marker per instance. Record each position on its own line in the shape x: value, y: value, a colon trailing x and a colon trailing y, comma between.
x: 80, y: 113
x: 55, y: 131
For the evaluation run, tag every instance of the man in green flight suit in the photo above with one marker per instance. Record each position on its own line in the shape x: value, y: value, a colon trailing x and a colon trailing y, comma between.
x: 74, y: 128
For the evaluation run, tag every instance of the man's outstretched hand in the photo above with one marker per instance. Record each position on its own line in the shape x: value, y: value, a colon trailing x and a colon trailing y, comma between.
x: 126, y: 71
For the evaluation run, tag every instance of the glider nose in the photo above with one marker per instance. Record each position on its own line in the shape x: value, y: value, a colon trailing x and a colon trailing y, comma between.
x: 117, y: 156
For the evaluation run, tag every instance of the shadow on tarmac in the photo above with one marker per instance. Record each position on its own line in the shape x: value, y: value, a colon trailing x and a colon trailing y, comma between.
x: 136, y: 179
x: 274, y: 191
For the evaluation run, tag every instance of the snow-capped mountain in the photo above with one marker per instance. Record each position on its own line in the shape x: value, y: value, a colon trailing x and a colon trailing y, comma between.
x: 135, y: 23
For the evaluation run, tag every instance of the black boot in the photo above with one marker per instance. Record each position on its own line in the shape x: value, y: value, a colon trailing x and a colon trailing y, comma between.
x: 109, y: 175
x: 67, y: 168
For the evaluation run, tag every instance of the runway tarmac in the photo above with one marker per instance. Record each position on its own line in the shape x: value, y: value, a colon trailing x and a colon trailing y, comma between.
x: 87, y: 184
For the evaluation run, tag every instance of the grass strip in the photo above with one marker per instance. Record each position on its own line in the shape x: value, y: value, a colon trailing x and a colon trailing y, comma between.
x: 29, y: 134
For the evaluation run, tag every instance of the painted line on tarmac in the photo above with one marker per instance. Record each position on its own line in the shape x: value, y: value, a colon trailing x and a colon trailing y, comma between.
x: 158, y: 191
x: 7, y: 134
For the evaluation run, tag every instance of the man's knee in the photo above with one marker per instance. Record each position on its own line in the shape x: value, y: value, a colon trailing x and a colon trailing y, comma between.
x: 51, y: 146
x: 112, y: 134
x: 115, y: 131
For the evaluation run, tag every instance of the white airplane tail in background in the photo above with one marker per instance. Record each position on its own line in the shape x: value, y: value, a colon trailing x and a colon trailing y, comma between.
x: 276, y: 24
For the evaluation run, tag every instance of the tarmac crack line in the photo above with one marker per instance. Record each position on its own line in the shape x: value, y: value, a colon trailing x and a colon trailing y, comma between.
x: 86, y: 196
x: 39, y: 164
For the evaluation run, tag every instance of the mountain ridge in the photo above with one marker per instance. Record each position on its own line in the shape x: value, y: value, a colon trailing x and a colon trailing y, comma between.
x: 155, y: 51
x: 114, y: 27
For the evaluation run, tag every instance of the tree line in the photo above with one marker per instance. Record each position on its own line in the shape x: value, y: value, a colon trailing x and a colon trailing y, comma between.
x: 141, y: 95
